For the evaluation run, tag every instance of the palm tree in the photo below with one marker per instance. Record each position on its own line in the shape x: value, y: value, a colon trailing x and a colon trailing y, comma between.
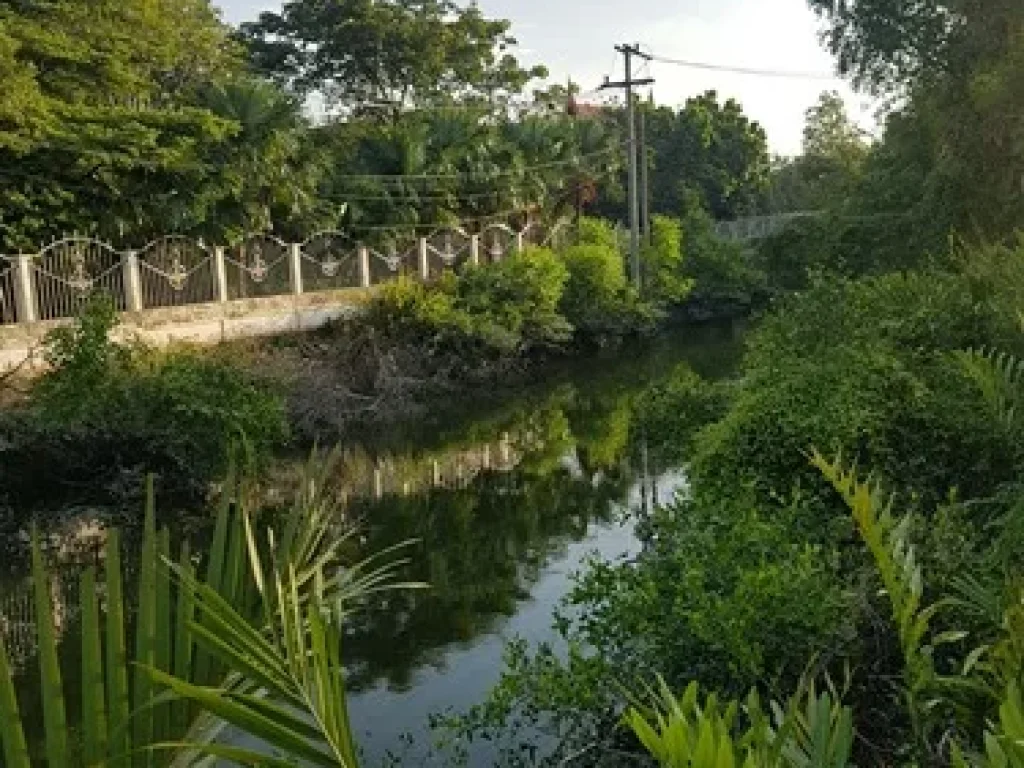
x: 270, y: 168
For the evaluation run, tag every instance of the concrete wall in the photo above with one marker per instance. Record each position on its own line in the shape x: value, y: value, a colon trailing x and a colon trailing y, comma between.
x: 198, y: 324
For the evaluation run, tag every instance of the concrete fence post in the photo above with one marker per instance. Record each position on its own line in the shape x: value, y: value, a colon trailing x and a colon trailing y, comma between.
x: 132, y: 282
x: 474, y: 250
x: 295, y: 267
x: 365, y: 279
x: 424, y: 259
x: 220, y: 274
x: 26, y: 304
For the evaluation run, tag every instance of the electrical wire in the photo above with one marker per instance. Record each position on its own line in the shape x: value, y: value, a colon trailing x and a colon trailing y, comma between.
x: 412, y: 196
x: 743, y: 70
x: 405, y: 178
x: 442, y: 224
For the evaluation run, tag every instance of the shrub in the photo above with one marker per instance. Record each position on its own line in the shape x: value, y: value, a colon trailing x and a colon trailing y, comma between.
x: 504, y: 309
x: 518, y: 298
x: 726, y: 281
x: 591, y: 231
x: 598, y: 300
x: 806, y: 247
x: 863, y: 368
x: 665, y: 282
x: 106, y: 408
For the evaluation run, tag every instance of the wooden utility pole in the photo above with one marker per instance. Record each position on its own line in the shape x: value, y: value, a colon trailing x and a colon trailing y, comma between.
x: 628, y: 52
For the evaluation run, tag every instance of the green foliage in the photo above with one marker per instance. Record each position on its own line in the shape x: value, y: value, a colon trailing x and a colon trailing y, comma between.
x: 595, y: 231
x: 814, y: 730
x: 110, y: 131
x: 505, y: 309
x: 664, y: 280
x: 598, y: 300
x: 400, y: 53
x: 539, y: 300
x: 864, y: 368
x: 726, y: 281
x: 180, y: 411
x: 888, y: 540
x: 279, y: 677
x: 81, y: 357
x: 710, y: 150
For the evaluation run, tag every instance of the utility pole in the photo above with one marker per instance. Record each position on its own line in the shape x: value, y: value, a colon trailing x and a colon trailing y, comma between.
x: 628, y: 52
x: 645, y: 182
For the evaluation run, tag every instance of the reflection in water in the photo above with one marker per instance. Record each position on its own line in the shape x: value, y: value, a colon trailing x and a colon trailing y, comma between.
x: 504, y: 501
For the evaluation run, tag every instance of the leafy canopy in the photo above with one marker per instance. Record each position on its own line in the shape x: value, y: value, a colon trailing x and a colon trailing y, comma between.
x: 396, y: 52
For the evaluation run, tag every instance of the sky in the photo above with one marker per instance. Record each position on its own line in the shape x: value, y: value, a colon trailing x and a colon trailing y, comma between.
x: 576, y: 38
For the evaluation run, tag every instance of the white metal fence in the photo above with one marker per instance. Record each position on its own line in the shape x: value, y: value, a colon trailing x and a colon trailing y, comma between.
x: 178, y: 271
x: 8, y: 310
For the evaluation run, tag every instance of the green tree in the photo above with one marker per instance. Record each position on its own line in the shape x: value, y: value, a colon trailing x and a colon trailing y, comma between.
x: 710, y: 149
x: 364, y: 55
x: 270, y: 170
x: 957, y: 66
x: 834, y: 153
x: 98, y: 131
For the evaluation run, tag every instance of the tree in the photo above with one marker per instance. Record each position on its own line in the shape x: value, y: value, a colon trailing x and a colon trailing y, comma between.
x: 269, y: 169
x: 957, y: 65
x: 825, y: 175
x: 830, y: 133
x: 386, y: 55
x: 97, y: 128
x: 709, y: 148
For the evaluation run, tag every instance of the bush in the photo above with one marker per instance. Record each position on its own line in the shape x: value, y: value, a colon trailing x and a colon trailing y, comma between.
x: 598, y: 300
x: 726, y: 281
x: 863, y: 368
x: 504, y: 309
x: 130, y: 409
x: 665, y: 282
x: 518, y: 298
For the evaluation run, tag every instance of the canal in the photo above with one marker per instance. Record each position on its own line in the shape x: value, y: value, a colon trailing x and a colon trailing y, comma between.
x: 505, y: 497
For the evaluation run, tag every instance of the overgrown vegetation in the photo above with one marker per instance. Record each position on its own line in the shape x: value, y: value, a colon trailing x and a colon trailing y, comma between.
x: 107, y: 412
x: 487, y: 324
x: 753, y: 578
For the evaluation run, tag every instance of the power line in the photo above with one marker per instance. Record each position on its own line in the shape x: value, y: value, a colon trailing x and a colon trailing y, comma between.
x: 413, y: 196
x: 743, y: 70
x: 442, y: 224
x: 403, y: 178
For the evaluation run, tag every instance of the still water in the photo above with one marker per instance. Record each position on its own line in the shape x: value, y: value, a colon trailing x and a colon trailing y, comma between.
x: 505, y: 498
x: 529, y: 489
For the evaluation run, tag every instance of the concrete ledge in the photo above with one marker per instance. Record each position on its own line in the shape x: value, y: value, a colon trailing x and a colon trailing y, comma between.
x: 198, y: 324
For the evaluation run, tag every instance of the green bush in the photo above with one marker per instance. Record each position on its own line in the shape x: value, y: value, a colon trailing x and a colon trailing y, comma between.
x: 518, y: 298
x: 726, y: 281
x: 864, y: 368
x: 665, y: 281
x: 598, y: 300
x: 504, y: 309
x: 178, y: 412
x: 591, y: 231
x: 805, y: 248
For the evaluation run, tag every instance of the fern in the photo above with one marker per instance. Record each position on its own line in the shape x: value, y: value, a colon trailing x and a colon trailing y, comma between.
x: 887, y: 538
x: 1000, y: 377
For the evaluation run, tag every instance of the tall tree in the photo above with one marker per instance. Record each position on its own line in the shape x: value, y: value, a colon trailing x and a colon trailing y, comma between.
x: 710, y: 152
x: 97, y: 131
x: 367, y: 53
x: 829, y: 132
x: 958, y: 66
